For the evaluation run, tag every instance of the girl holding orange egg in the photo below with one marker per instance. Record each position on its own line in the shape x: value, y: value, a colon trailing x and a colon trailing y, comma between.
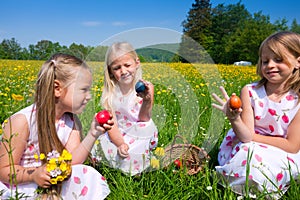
x: 261, y: 151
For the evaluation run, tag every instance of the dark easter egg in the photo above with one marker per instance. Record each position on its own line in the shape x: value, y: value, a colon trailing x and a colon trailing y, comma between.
x: 140, y: 87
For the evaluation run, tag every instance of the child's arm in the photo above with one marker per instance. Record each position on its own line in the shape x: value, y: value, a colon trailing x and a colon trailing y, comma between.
x: 148, y: 99
x: 117, y: 139
x: 291, y: 143
x: 81, y: 149
x: 243, y: 124
x: 16, y: 133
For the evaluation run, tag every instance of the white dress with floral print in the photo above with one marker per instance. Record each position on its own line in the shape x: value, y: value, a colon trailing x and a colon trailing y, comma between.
x: 270, y: 167
x: 85, y: 182
x: 141, y: 137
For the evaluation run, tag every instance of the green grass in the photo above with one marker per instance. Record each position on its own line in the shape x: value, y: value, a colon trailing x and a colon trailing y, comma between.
x: 182, y: 106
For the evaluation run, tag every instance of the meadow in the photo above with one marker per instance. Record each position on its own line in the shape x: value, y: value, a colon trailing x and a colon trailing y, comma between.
x: 182, y: 106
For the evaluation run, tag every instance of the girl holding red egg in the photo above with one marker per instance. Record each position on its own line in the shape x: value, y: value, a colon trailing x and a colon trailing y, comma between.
x: 51, y: 128
x: 127, y: 146
x: 261, y: 151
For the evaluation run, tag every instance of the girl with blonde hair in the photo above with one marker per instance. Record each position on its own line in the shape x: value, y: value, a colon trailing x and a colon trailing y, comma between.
x: 51, y: 127
x: 261, y: 151
x: 128, y: 144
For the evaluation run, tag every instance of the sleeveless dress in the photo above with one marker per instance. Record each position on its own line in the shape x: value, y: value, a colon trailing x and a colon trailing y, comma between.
x: 271, y: 168
x: 85, y: 182
x: 141, y: 137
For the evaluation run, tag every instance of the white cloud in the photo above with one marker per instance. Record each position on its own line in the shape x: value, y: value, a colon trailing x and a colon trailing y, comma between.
x: 91, y: 23
x: 120, y: 23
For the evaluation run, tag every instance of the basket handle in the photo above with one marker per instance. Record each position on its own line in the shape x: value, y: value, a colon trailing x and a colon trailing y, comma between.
x: 174, y: 141
x: 177, y: 137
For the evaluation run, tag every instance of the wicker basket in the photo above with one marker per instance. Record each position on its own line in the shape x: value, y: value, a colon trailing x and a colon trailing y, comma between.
x: 193, y: 158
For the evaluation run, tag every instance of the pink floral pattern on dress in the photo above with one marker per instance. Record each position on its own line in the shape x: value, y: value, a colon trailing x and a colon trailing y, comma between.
x: 83, y: 177
x: 141, y: 137
x: 84, y: 191
x: 77, y: 180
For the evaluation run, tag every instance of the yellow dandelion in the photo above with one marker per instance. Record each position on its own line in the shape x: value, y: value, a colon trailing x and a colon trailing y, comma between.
x: 17, y: 97
x: 154, y: 163
x: 60, y: 159
x: 53, y: 181
x: 36, y: 156
x: 159, y: 151
x: 66, y: 155
x: 42, y: 156
x: 52, y: 161
x: 63, y: 167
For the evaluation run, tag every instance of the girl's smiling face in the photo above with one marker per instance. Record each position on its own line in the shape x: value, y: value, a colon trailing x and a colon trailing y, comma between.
x: 124, y: 69
x: 277, y: 69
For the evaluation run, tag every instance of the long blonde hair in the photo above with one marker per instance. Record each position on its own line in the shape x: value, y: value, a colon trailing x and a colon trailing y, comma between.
x: 115, y: 51
x: 277, y: 43
x: 62, y: 67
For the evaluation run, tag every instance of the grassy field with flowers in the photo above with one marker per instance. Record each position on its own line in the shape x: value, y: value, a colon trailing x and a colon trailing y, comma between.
x: 182, y: 106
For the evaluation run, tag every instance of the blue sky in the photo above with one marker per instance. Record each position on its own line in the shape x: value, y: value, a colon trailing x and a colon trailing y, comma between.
x: 91, y: 22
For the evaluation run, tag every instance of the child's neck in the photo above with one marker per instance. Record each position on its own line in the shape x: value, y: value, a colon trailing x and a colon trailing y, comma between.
x: 125, y: 89
x: 277, y: 89
x: 275, y: 93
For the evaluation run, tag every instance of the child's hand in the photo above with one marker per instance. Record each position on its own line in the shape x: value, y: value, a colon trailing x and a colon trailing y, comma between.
x: 41, y: 176
x: 147, y: 93
x: 224, y: 107
x: 123, y: 150
x: 97, y: 129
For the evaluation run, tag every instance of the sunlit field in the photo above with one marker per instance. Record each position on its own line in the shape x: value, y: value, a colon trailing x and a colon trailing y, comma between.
x: 182, y: 106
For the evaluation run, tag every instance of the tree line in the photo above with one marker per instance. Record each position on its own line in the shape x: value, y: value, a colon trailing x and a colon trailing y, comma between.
x: 226, y: 33
x: 11, y: 49
x: 222, y: 34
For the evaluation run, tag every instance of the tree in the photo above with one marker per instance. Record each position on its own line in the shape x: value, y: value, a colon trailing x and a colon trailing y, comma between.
x: 281, y: 24
x: 97, y: 53
x: 244, y: 43
x: 196, y: 32
x: 44, y: 49
x: 10, y: 49
x: 225, y: 21
x: 295, y: 27
x: 79, y: 51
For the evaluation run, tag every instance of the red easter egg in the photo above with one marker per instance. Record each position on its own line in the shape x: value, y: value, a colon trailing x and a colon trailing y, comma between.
x: 102, y: 117
x: 178, y: 163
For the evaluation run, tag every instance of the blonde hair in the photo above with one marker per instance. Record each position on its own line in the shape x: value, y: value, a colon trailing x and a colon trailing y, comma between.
x: 278, y: 43
x: 62, y: 67
x: 114, y: 52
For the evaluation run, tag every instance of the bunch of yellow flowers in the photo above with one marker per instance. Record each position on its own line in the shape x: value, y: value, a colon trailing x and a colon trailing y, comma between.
x: 59, y: 166
x: 155, y: 162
